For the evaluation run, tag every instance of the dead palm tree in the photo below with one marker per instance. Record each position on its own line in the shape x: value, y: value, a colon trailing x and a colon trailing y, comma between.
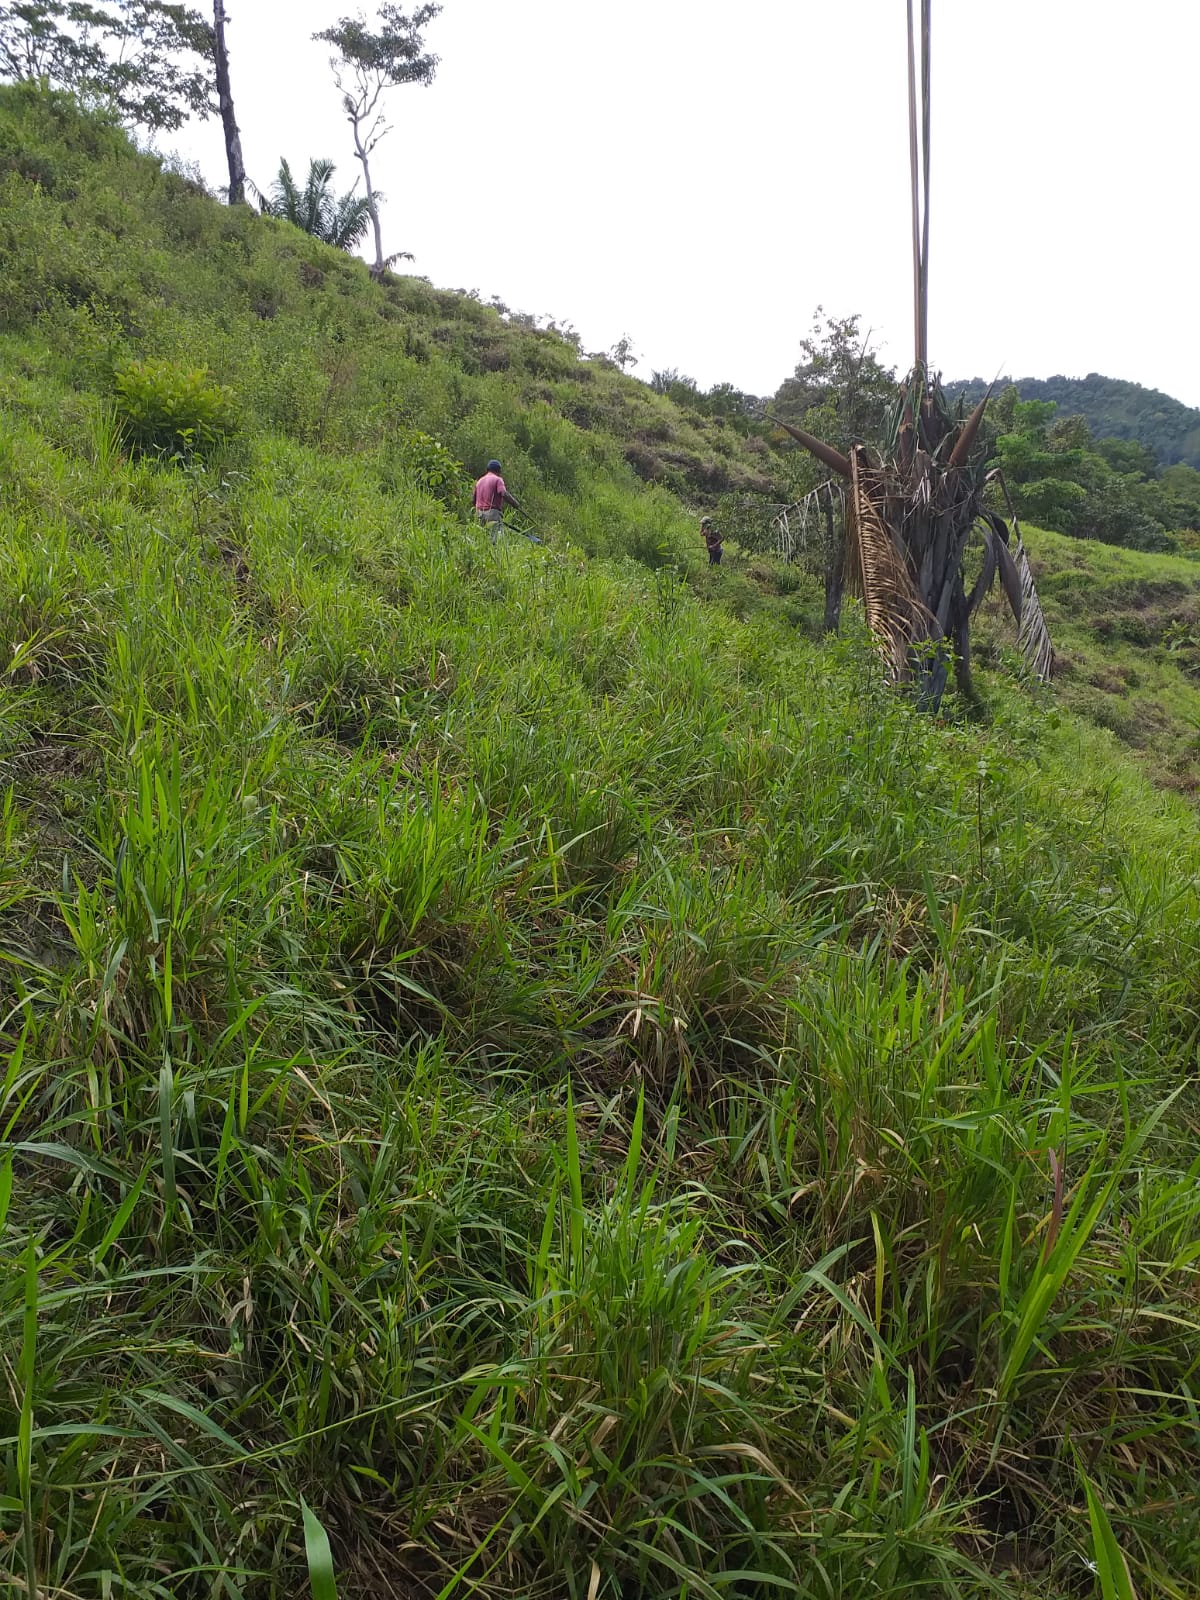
x: 910, y: 513
x: 316, y: 209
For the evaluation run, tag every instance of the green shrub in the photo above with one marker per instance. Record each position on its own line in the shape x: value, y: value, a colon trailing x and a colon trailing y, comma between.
x: 428, y: 463
x: 166, y: 407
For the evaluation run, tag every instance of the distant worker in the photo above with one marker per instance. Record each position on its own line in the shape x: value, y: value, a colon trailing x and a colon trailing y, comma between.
x: 712, y: 538
x: 491, y: 497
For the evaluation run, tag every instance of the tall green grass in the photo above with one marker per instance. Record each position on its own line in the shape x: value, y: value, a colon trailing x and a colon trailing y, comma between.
x: 520, y: 1082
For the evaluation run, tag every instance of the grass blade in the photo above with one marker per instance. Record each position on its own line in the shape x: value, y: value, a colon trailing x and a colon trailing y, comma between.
x: 28, y: 1366
x: 124, y: 1212
x: 319, y: 1556
x: 1113, y: 1570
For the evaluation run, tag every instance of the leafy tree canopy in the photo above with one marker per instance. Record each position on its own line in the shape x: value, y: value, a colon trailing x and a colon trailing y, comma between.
x: 1114, y: 408
x: 1062, y: 478
x: 147, y: 59
x: 388, y: 56
x: 840, y: 392
x: 739, y: 409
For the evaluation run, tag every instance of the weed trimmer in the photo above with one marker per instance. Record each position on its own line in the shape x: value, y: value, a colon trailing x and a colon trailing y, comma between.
x: 526, y: 531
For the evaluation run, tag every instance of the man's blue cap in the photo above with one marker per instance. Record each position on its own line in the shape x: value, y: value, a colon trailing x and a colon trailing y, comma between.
x: 493, y: 466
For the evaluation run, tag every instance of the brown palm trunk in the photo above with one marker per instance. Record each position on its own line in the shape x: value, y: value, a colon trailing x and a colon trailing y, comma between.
x: 835, y: 569
x: 233, y: 139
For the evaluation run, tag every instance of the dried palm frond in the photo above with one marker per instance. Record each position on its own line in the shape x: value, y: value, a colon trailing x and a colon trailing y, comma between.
x: 908, y: 520
x: 876, y: 568
x: 809, y: 527
x: 1033, y: 634
x: 825, y: 453
x: 965, y: 440
x: 987, y: 570
x: 996, y: 559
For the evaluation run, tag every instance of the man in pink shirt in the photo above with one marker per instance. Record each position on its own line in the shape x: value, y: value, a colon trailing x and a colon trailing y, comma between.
x: 491, y: 497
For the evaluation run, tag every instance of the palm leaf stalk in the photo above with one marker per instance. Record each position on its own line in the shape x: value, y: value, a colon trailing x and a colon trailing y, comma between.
x: 911, y: 512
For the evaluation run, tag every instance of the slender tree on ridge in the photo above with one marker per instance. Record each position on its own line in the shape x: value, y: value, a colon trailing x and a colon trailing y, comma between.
x: 366, y: 64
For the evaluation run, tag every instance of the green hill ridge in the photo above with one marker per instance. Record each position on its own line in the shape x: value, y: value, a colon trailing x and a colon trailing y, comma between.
x: 1113, y: 408
x: 527, y: 1075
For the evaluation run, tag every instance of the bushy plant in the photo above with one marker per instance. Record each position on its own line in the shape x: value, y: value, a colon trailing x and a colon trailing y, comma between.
x: 548, y: 442
x: 172, y: 409
x: 428, y: 463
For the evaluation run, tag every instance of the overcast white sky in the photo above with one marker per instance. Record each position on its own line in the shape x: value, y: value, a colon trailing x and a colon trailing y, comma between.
x: 701, y: 174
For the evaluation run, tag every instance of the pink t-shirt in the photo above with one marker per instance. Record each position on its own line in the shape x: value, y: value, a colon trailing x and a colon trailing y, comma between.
x: 489, y: 492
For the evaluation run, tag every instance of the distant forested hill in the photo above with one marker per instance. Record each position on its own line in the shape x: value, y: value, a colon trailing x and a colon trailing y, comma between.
x: 1114, y: 409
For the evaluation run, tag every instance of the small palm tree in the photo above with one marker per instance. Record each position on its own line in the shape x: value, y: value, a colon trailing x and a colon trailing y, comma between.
x: 315, y: 208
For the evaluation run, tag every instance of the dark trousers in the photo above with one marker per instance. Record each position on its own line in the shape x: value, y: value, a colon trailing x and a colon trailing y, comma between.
x: 714, y: 558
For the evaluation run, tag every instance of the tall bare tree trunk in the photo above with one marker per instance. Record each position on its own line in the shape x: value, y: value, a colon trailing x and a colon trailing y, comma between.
x: 233, y: 139
x: 362, y: 153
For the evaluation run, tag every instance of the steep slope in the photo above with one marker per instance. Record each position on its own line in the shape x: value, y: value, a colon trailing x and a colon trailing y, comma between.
x: 564, y: 1090
x: 112, y: 254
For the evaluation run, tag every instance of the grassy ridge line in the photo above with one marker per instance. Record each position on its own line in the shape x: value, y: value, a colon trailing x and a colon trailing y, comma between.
x: 591, y: 1096
x: 113, y: 256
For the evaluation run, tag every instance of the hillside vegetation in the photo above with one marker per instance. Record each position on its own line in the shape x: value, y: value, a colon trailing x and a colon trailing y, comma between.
x: 1126, y: 626
x: 526, y: 1076
x: 319, y: 354
x: 1113, y: 408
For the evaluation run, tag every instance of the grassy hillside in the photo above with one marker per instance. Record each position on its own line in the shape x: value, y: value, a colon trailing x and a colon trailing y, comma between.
x: 1126, y: 625
x: 522, y: 1080
x: 314, y: 350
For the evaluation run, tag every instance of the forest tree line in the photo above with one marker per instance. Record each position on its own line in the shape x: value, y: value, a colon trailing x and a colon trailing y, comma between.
x: 1113, y: 408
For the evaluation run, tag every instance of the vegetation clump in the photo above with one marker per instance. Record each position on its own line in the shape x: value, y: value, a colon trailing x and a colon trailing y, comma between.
x: 338, y: 220
x: 165, y: 406
x: 1114, y: 409
x: 1109, y: 489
